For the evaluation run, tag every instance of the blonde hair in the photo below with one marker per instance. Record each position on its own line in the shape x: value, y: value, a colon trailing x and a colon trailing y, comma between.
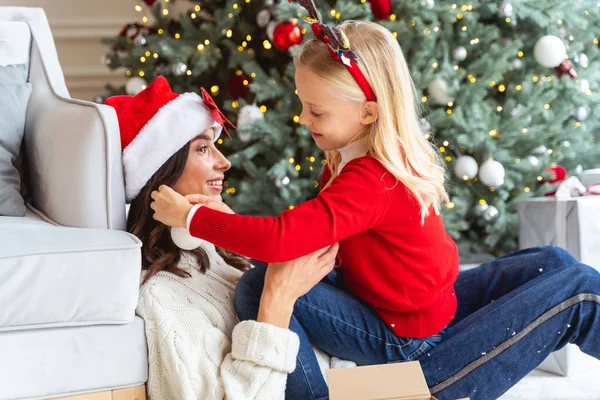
x: 395, y: 139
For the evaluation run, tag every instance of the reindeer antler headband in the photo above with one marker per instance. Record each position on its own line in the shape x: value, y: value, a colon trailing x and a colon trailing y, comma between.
x: 338, y: 45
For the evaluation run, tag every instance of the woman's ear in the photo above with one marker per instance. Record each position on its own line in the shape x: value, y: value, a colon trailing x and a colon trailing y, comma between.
x: 368, y: 113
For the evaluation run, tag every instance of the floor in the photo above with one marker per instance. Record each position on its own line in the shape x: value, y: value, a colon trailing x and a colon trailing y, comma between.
x: 544, y: 386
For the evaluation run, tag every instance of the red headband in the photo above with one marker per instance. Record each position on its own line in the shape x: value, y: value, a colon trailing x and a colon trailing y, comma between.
x: 338, y: 46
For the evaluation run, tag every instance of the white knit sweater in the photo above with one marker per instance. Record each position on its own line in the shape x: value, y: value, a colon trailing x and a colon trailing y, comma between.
x: 198, y: 349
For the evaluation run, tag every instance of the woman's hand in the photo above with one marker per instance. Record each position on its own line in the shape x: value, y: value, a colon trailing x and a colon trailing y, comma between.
x: 287, y: 281
x: 170, y: 207
x: 209, y: 202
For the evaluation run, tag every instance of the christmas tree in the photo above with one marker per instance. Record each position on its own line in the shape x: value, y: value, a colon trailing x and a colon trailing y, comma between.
x: 509, y: 90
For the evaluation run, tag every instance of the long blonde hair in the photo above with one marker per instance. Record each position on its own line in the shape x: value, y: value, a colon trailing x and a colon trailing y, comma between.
x: 395, y: 139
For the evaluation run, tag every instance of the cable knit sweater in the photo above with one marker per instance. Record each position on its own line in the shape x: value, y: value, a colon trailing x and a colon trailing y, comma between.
x: 198, y: 349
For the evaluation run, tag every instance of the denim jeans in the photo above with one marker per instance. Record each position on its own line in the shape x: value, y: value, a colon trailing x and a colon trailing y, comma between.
x: 512, y: 312
x: 337, y: 322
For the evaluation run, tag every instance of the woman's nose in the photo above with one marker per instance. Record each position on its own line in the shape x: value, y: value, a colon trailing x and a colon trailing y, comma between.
x: 303, y: 118
x: 222, y: 164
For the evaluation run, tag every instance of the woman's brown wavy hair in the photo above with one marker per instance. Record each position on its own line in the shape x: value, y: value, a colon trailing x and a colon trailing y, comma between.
x: 159, y: 253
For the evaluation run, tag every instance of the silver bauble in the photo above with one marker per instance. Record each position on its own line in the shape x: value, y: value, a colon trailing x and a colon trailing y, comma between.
x: 179, y: 69
x: 490, y: 214
x: 479, y: 209
x: 581, y: 113
x: 505, y: 9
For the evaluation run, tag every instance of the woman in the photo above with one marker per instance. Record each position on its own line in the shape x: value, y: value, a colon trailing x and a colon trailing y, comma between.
x: 197, y: 347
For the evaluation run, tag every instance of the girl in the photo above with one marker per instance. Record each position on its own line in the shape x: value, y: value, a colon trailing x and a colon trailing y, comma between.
x: 382, y: 190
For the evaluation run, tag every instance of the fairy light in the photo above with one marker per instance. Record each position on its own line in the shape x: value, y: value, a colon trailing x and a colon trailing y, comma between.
x: 524, y: 130
x: 253, y: 75
x: 161, y: 31
x: 177, y: 36
x: 540, y: 178
x: 244, y: 44
x: 291, y: 160
x: 446, y: 143
x: 338, y: 16
x: 424, y: 99
x: 464, y: 28
x: 296, y: 119
x: 193, y: 15
x: 312, y: 159
x: 392, y: 17
x: 448, y: 158
x: 240, y: 48
x: 526, y: 190
x: 471, y: 78
x: 435, y: 65
x: 577, y: 124
x: 459, y: 16
x: 235, y: 6
x: 550, y: 151
x: 220, y: 141
x: 507, y: 20
x: 298, y: 168
x: 234, y: 104
x: 333, y: 12
x: 499, y: 108
x: 145, y: 19
x: 494, y: 133
x: 263, y: 108
x: 231, y: 190
x: 450, y: 104
x: 502, y: 88
x: 230, y: 15
x: 207, y: 42
x: 395, y: 34
x: 138, y: 8
x: 450, y: 204
x: 427, y: 31
x: 200, y: 47
x: 463, y: 7
x: 291, y: 207
x: 128, y: 73
x: 197, y: 8
x: 536, y: 78
x: 143, y: 59
x: 520, y: 54
x: 560, y: 21
x: 141, y: 73
x: 188, y: 72
x: 492, y: 83
x: 547, y: 106
x: 165, y: 12
x: 214, y: 89
x: 456, y: 67
x: 249, y: 38
x: 229, y: 33
x: 245, y: 82
x: 519, y: 87
x: 155, y: 55
x: 449, y: 111
x: 442, y: 149
x: 267, y: 45
x: 413, y: 23
x: 454, y: 6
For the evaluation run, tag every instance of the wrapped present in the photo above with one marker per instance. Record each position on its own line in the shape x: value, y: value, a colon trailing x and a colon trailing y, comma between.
x: 572, y: 223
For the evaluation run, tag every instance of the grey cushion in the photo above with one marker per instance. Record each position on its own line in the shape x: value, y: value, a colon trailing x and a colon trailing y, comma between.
x: 57, y: 362
x: 54, y: 276
x: 13, y: 107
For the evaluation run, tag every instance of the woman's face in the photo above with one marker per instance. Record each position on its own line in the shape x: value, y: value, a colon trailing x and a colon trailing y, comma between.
x: 204, y: 169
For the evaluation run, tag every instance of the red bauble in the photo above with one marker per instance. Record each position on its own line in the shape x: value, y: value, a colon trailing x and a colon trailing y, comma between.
x: 236, y: 87
x: 381, y: 8
x: 559, y: 172
x: 286, y: 34
x: 149, y: 2
x: 566, y: 67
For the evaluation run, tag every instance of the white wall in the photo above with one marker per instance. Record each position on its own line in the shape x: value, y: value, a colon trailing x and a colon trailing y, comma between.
x: 78, y: 26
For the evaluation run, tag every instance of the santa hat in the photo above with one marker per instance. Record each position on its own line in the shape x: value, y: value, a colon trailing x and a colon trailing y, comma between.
x: 155, y: 124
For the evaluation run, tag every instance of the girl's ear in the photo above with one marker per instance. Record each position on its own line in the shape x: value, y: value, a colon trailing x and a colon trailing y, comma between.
x: 368, y: 113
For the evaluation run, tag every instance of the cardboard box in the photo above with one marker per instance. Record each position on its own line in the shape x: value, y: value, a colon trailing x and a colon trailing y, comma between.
x: 396, y: 381
x: 574, y: 225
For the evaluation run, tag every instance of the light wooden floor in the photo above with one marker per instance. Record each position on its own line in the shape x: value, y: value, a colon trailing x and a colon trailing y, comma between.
x: 136, y: 393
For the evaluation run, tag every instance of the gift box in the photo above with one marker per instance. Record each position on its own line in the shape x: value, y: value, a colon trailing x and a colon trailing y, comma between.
x: 573, y: 224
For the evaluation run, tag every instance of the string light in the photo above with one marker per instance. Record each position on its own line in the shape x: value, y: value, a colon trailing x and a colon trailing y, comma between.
x: 435, y: 65
x: 450, y: 204
x: 244, y: 43
x: 316, y: 183
x: 424, y: 99
x: 333, y: 13
x: 230, y: 15
x: 200, y: 47
x: 138, y: 8
x: 550, y: 151
x: 395, y: 34
x: 177, y: 36
x: 298, y: 168
x: 143, y: 59
x: 338, y: 16
x: 253, y: 74
x: 464, y: 28
x: 499, y: 108
x: 155, y: 55
x: 197, y: 8
x: 263, y: 108
x: 128, y: 73
x: 456, y: 67
x: 291, y: 160
x: 520, y: 54
x: 193, y: 15
x: 526, y: 190
x: 231, y: 190
x: 240, y: 48
x: 540, y: 178
x: 494, y: 133
x: 392, y: 17
x: 463, y: 7
x: 448, y: 158
x: 145, y: 19
x: 160, y: 31
x: 312, y: 159
x: 207, y: 42
x: 519, y: 87
x: 502, y: 88
x: 147, y: 53
x: 459, y: 16
x: 229, y: 33
x: 141, y: 73
x: 577, y: 124
x: 234, y: 104
x: 560, y: 21
x: 492, y: 83
x: 482, y: 201
x: 214, y: 89
x: 296, y: 119
x: 507, y: 20
x: 165, y: 12
x: 267, y: 45
x: 235, y: 6
x: 220, y: 141
x: 547, y: 106
x: 249, y: 38
x: 446, y: 143
x: 524, y: 130
x: 536, y: 78
x: 291, y: 207
x: 449, y: 111
x: 188, y: 72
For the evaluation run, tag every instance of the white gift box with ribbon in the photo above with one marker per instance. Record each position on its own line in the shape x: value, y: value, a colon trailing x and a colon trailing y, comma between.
x: 572, y: 223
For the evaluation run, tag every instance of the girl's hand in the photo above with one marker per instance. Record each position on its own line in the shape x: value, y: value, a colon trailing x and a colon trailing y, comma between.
x: 285, y: 282
x: 170, y: 207
x: 209, y: 202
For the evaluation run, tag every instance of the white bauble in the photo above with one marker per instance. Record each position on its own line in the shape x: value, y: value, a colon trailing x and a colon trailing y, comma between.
x: 533, y: 160
x: 581, y: 113
x: 428, y: 3
x: 459, y: 53
x: 466, y: 168
x: 480, y: 208
x: 263, y: 18
x: 542, y: 150
x: 549, y: 51
x: 248, y: 114
x: 492, y: 173
x: 579, y: 169
x: 438, y: 89
x: 139, y: 40
x: 179, y: 68
x: 490, y: 214
x: 135, y: 85
x: 582, y: 60
x: 270, y: 28
x: 517, y: 64
x: 182, y: 239
x: 583, y: 85
x: 505, y: 9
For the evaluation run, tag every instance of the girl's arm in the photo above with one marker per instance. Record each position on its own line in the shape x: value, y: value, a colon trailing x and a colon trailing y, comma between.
x: 355, y: 202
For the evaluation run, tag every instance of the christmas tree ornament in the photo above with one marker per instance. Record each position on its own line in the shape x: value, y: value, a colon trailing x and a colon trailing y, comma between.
x: 438, y: 89
x: 459, y: 53
x: 579, y: 169
x: 581, y: 113
x: 558, y: 172
x: 492, y: 173
x: 428, y: 3
x: 549, y: 51
x: 238, y: 86
x: 581, y: 59
x: 182, y: 239
x: 139, y: 40
x: 541, y: 150
x: 179, y: 68
x: 583, y: 85
x: 263, y: 18
x: 106, y: 59
x: 282, y: 182
x: 517, y: 64
x: 517, y: 111
x: 381, y: 8
x: 271, y: 28
x: 566, y: 144
x: 135, y: 85
x: 505, y: 10
x: 286, y: 34
x: 566, y: 67
x: 466, y: 168
x: 248, y: 114
x: 425, y: 126
x: 533, y: 160
x: 490, y: 214
x: 479, y: 209
x: 149, y: 2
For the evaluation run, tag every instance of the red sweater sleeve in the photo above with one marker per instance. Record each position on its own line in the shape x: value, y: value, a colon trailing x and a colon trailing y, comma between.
x: 355, y: 202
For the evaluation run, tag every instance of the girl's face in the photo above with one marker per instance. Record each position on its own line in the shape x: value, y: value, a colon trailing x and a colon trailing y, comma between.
x: 204, y: 169
x: 333, y: 122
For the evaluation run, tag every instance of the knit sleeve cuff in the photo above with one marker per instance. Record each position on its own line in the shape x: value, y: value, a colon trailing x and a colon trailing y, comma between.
x: 191, y: 215
x: 266, y: 345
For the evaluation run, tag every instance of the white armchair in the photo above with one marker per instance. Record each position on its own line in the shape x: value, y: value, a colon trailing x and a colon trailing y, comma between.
x: 69, y: 274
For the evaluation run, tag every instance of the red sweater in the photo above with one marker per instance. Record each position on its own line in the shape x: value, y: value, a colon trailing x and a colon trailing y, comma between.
x: 404, y: 270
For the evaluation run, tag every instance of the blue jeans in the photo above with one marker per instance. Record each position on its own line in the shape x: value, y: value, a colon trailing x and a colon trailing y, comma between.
x: 337, y: 322
x: 512, y: 312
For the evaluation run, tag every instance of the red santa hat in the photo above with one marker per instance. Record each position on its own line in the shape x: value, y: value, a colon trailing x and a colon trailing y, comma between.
x: 155, y: 124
